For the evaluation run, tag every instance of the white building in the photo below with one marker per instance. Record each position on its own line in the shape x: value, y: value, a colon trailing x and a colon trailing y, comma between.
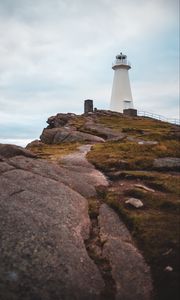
x: 121, y: 97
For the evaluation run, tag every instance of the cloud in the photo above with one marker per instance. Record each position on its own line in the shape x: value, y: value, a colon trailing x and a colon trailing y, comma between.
x: 159, y: 98
x: 54, y: 54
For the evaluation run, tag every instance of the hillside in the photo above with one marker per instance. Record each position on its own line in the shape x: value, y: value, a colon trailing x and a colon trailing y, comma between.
x: 64, y: 208
x: 139, y: 151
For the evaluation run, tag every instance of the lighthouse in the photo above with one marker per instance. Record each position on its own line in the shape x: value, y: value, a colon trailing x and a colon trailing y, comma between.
x: 121, y: 97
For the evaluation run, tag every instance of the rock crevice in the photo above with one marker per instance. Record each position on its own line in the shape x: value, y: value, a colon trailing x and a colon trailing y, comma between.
x: 48, y: 239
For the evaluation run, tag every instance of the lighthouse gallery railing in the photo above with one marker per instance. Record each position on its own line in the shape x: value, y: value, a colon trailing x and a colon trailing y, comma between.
x: 158, y: 117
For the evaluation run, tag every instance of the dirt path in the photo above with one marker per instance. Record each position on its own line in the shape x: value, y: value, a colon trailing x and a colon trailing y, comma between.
x: 77, y: 161
x: 110, y: 246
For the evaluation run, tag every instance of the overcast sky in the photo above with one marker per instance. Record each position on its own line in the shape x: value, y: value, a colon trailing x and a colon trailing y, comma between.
x: 56, y: 53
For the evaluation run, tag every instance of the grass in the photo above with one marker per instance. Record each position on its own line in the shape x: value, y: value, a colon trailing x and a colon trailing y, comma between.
x: 136, y: 124
x: 54, y: 152
x: 163, y: 201
x: 155, y: 226
x: 78, y: 122
x: 93, y: 208
x: 130, y: 155
x: 157, y: 180
x: 155, y: 230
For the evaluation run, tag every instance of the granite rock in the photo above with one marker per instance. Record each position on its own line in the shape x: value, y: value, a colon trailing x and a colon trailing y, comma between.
x: 44, y: 223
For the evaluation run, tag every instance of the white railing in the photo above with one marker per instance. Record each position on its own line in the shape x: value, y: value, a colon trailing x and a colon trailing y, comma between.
x: 158, y: 117
x: 121, y: 62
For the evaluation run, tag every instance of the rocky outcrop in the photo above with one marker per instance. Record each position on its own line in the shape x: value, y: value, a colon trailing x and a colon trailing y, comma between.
x: 43, y: 226
x: 60, y: 129
x: 60, y: 135
x: 50, y: 247
x: 129, y: 270
x: 44, y: 231
x: 87, y: 178
x: 60, y: 120
x: 103, y: 131
x: 74, y: 171
x: 63, y: 128
x: 7, y: 150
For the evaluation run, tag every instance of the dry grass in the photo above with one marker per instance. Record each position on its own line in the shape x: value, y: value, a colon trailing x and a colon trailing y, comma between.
x: 130, y: 155
x: 54, y: 152
x: 78, y: 122
x: 155, y: 227
x: 130, y: 124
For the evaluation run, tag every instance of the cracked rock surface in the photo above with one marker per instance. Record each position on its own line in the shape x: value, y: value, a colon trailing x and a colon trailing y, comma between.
x: 43, y: 226
x: 129, y: 270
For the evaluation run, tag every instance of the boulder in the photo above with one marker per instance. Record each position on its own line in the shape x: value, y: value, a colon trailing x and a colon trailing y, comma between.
x: 43, y: 227
x: 170, y: 163
x: 103, y: 131
x: 145, y: 188
x: 35, y: 143
x: 129, y: 270
x: 48, y: 135
x: 60, y: 120
x: 147, y: 142
x: 80, y: 178
x: 60, y: 135
x: 134, y: 202
x: 7, y: 150
x: 168, y: 269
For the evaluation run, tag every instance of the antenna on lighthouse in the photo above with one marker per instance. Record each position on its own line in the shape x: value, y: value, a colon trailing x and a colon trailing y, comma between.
x: 121, y: 96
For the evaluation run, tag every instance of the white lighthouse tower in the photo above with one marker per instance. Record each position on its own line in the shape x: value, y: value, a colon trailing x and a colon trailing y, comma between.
x: 121, y: 97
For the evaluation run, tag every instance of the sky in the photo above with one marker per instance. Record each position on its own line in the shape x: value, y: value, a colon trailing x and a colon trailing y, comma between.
x: 55, y: 54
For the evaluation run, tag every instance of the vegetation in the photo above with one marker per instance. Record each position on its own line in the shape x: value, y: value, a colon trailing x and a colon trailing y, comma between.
x: 137, y: 125
x: 53, y: 152
x: 155, y: 230
x: 78, y: 122
x: 131, y: 155
x: 155, y: 226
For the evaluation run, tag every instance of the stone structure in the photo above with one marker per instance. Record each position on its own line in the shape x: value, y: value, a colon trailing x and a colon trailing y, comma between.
x: 88, y: 106
x: 130, y: 112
